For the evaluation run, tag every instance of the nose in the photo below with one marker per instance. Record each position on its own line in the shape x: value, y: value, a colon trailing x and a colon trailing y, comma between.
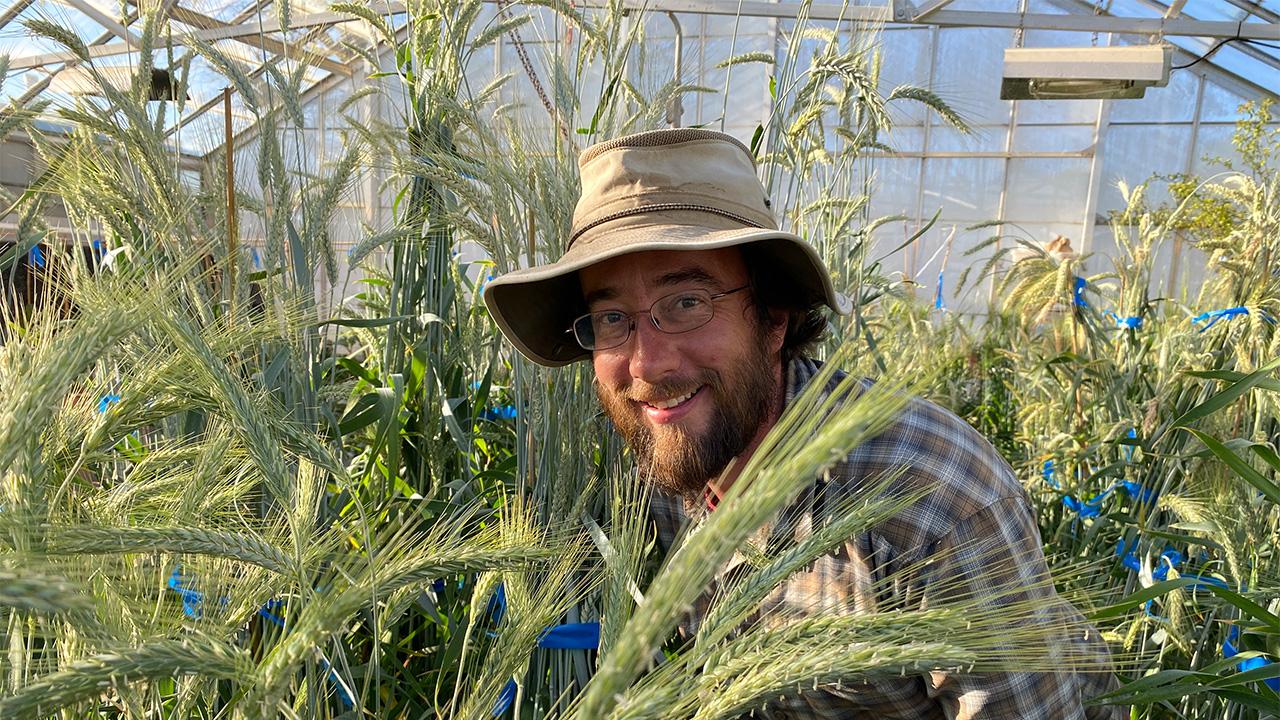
x: 654, y: 354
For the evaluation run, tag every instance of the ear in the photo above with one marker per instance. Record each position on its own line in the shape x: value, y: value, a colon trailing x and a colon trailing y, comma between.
x: 776, y: 331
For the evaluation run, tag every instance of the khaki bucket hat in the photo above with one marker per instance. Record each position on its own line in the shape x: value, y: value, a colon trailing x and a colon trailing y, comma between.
x: 676, y: 189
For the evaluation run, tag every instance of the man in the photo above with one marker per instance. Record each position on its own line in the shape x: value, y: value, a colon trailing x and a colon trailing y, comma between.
x: 696, y: 312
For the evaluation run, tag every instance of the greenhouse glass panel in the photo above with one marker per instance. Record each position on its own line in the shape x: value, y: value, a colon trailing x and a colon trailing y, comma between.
x: 965, y: 189
x: 1052, y: 138
x: 1173, y: 103
x: 897, y: 186
x: 1128, y: 156
x: 986, y: 138
x: 906, y: 58
x: 1220, y: 103
x: 967, y: 74
x: 1047, y: 189
x: 904, y: 139
x: 1213, y: 142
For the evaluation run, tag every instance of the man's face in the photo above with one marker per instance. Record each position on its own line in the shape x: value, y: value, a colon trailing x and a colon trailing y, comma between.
x: 725, y: 374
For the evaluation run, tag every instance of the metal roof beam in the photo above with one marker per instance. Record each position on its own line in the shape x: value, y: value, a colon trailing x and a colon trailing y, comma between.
x: 1254, y: 8
x: 918, y: 13
x: 111, y: 24
x: 13, y: 11
x: 271, y: 45
x: 757, y: 8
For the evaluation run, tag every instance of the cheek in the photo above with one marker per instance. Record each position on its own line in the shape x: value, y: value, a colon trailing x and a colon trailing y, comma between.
x: 610, y: 369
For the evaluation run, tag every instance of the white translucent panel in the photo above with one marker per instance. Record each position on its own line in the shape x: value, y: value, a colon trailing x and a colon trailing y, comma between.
x: 989, y: 138
x: 1212, y: 141
x: 984, y: 5
x: 15, y: 170
x: 1045, y: 7
x: 963, y: 188
x: 1213, y: 10
x: 1067, y: 112
x: 299, y: 150
x: 1129, y: 154
x: 652, y: 64
x: 1174, y: 103
x: 967, y: 75
x: 905, y: 58
x: 896, y: 189
x: 1047, y: 189
x: 904, y: 139
x: 659, y: 25
x: 747, y: 102
x: 1052, y: 138
x: 1219, y: 104
x: 729, y: 25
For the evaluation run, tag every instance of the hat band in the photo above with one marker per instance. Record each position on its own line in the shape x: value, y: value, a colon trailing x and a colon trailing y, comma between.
x: 659, y: 207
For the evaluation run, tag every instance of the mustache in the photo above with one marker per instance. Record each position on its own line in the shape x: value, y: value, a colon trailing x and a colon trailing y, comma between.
x: 641, y: 391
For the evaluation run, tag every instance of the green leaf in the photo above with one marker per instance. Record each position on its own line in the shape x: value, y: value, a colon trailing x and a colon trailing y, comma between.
x: 1239, y: 465
x: 1234, y: 376
x: 1227, y: 395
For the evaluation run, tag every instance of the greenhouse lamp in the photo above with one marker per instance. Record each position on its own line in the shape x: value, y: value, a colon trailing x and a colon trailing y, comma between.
x: 1086, y: 73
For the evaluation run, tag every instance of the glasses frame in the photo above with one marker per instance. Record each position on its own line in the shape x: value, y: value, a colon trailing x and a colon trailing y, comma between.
x: 632, y: 318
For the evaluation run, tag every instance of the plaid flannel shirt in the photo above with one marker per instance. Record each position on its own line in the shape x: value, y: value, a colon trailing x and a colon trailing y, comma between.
x: 974, y: 524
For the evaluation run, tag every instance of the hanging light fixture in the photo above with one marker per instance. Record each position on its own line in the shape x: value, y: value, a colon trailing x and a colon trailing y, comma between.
x: 1084, y: 73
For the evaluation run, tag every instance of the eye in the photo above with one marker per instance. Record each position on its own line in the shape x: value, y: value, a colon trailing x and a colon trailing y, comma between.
x: 687, y: 302
x: 610, y: 318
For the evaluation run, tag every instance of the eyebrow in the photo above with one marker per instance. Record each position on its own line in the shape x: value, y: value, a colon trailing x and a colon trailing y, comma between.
x: 692, y: 274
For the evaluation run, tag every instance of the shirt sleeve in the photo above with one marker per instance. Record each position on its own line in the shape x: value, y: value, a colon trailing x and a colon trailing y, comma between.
x: 993, y: 559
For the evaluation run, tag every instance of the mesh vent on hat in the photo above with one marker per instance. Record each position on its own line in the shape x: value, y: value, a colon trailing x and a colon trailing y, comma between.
x: 655, y: 138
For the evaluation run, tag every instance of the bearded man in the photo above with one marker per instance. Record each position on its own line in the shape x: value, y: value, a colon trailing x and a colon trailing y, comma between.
x: 696, y: 313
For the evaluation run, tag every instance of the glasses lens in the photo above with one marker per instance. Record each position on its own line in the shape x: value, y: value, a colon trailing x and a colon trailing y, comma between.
x: 683, y: 311
x: 602, y: 330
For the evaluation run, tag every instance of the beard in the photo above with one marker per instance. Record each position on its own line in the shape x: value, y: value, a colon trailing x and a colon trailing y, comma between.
x: 681, y: 461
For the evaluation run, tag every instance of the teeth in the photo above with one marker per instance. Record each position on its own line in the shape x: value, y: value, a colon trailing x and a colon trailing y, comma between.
x: 667, y: 404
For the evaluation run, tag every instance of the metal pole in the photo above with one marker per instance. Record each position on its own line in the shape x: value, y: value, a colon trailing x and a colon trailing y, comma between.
x: 229, y: 150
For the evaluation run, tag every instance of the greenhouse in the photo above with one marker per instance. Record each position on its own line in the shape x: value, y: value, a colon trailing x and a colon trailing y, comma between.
x: 328, y: 394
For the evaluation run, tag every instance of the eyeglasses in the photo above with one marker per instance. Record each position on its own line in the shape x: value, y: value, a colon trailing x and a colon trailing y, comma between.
x: 672, y: 314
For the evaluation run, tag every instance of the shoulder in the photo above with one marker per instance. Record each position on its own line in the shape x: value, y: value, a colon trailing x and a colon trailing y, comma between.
x: 937, y: 453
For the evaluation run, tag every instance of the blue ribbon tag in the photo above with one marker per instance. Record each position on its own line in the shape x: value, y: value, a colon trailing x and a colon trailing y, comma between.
x: 571, y: 636
x: 1133, y: 322
x: 505, y: 698
x: 106, y: 401
x: 1078, y: 293
x: 35, y: 256
x: 1229, y: 651
x: 937, y: 295
x: 1212, y: 317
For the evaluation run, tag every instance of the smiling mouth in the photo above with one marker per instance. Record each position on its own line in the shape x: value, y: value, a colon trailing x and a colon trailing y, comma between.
x: 672, y: 402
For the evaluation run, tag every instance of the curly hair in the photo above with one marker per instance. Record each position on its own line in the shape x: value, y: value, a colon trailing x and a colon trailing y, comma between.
x: 806, y: 325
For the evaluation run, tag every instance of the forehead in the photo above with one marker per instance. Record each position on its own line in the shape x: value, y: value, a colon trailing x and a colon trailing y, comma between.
x: 638, y: 274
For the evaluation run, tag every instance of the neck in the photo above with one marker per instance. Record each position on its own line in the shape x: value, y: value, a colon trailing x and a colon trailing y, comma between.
x: 720, y: 484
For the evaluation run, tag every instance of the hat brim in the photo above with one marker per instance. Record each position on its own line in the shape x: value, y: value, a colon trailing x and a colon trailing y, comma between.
x: 534, y: 307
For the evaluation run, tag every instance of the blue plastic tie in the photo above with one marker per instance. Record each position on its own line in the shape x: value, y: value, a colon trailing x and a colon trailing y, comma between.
x: 106, y: 401
x: 99, y: 248
x: 35, y: 256
x: 505, y: 412
x: 1229, y: 651
x: 571, y: 636
x: 1078, y: 293
x: 1212, y: 317
x: 505, y: 698
x: 346, y: 698
x: 1133, y: 322
x: 937, y: 295
x: 1047, y: 473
